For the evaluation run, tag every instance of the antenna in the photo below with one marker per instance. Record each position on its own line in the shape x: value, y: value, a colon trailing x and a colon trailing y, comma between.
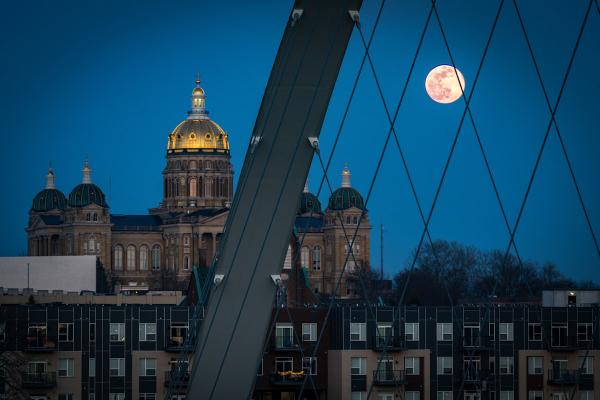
x: 381, y: 249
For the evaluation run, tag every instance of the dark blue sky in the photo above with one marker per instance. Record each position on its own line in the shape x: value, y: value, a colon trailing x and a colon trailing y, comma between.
x: 110, y: 80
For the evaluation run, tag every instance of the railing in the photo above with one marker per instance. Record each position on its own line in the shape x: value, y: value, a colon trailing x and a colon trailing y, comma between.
x: 287, y: 378
x: 183, y: 379
x: 564, y: 344
x: 39, y: 380
x: 177, y: 344
x: 391, y: 377
x: 285, y: 343
x: 562, y: 377
x: 39, y: 343
x: 472, y: 374
x: 388, y: 342
x: 476, y: 342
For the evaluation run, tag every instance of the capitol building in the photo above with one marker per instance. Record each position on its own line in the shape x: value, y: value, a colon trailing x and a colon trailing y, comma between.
x: 160, y: 249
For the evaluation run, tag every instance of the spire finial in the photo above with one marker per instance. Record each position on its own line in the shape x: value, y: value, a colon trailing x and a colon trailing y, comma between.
x: 86, y: 172
x: 198, y: 110
x: 50, y: 178
x: 306, y: 186
x: 346, y: 176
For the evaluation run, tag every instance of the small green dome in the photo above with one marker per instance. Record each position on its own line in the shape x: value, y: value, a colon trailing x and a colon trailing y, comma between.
x: 344, y: 198
x: 85, y: 194
x: 309, y: 203
x: 49, y: 199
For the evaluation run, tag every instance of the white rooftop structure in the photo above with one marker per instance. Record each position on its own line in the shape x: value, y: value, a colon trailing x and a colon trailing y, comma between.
x: 66, y: 273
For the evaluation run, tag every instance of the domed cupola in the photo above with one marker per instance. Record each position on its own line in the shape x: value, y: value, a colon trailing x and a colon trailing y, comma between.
x: 309, y: 203
x: 198, y: 133
x: 86, y: 192
x: 50, y: 198
x: 346, y: 196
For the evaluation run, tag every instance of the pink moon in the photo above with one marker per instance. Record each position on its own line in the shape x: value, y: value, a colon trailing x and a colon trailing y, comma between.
x: 442, y: 86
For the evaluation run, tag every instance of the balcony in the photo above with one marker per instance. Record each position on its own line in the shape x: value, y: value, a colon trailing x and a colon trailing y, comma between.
x: 389, y: 377
x: 565, y: 344
x: 287, y: 378
x: 476, y: 342
x: 39, y: 380
x: 182, y: 381
x: 388, y: 342
x: 472, y: 375
x: 39, y: 344
x: 562, y: 377
x: 285, y: 343
x: 178, y: 345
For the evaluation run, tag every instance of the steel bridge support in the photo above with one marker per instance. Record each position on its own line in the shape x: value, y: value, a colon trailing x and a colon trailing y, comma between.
x: 256, y: 237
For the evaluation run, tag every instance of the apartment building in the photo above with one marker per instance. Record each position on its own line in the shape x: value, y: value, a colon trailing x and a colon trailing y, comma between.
x: 119, y: 347
x: 91, y: 347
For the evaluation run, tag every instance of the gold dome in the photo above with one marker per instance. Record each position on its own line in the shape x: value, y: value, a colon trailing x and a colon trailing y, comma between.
x: 198, y: 133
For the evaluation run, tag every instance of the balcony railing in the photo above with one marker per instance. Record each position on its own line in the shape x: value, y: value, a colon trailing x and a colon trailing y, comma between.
x: 39, y: 380
x: 181, y: 380
x: 476, y: 342
x: 564, y: 344
x: 472, y: 375
x: 562, y: 377
x: 388, y: 342
x: 39, y: 343
x: 389, y: 377
x: 177, y: 344
x: 285, y: 343
x: 287, y: 378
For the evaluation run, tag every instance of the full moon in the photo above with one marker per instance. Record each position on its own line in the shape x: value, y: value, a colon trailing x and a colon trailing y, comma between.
x: 442, y: 86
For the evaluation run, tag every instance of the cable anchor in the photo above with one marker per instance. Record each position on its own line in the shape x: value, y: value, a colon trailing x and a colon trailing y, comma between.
x: 354, y: 16
x: 296, y: 15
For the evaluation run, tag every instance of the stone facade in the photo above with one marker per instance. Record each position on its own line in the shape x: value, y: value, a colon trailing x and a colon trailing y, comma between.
x: 158, y: 250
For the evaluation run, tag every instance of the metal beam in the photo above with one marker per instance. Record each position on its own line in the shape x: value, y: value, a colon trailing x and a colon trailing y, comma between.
x: 261, y: 220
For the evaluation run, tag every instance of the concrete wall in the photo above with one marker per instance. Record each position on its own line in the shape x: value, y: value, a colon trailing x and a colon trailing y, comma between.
x: 68, y: 273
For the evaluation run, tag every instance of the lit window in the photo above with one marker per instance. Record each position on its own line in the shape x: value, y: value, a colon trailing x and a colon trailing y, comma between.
x: 358, y: 331
x: 65, y: 367
x: 506, y: 365
x: 131, y: 257
x: 309, y: 332
x: 506, y: 395
x: 444, y: 365
x: 65, y: 332
x: 143, y: 258
x: 317, y: 258
x: 505, y: 332
x: 412, y: 365
x: 586, y: 365
x: 358, y: 366
x: 92, y: 367
x: 147, y: 366
x: 155, y: 257
x: 444, y: 332
x: 535, y: 395
x: 444, y: 395
x: 535, y: 365
x: 304, y: 257
x: 117, y: 332
x: 117, y: 367
x: 147, y: 332
x: 118, y: 257
x: 411, y: 331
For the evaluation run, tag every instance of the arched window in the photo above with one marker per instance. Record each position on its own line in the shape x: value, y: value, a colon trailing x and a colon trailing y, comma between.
x: 193, y: 188
x: 316, y: 258
x: 87, y: 216
x: 200, y: 187
x: 131, y: 257
x: 143, y: 258
x: 186, y: 263
x: 304, y: 257
x: 95, y: 217
x: 193, y: 165
x: 118, y: 257
x: 155, y: 257
x: 176, y: 187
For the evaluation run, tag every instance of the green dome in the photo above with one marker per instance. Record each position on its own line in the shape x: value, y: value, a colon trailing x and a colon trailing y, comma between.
x: 85, y: 194
x: 309, y: 203
x: 344, y: 198
x: 49, y: 199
